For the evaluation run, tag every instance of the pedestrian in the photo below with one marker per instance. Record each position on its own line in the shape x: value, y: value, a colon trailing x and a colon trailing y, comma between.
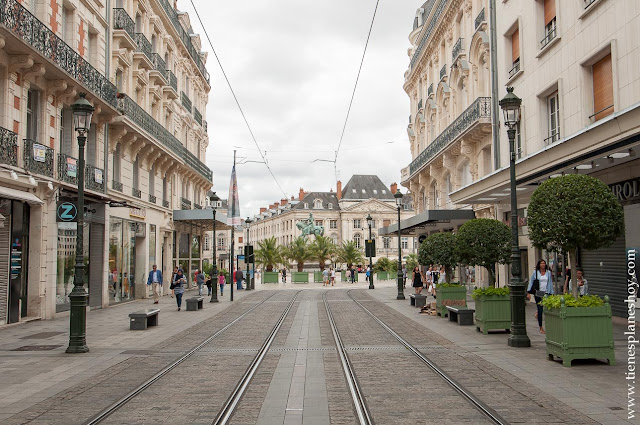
x: 284, y: 275
x: 325, y: 277
x: 221, y: 282
x: 209, y: 284
x: 583, y: 286
x: 173, y: 275
x: 353, y: 274
x: 179, y: 281
x: 567, y: 280
x: 155, y: 281
x: 442, y: 277
x: 333, y: 276
x: 199, y: 281
x: 238, y: 278
x: 404, y: 276
x: 368, y: 273
x: 540, y: 284
x: 417, y: 278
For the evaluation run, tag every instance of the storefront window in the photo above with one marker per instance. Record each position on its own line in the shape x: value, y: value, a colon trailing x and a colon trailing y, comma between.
x: 195, y: 255
x: 66, y: 263
x: 152, y: 245
x: 122, y: 252
x: 183, y: 246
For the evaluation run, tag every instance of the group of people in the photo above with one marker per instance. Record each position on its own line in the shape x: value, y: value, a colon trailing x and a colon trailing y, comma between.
x: 430, y: 278
x: 329, y: 277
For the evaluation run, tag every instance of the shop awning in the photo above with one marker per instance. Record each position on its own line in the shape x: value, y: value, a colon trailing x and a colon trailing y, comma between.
x: 20, y: 195
x: 201, y: 218
x: 429, y: 221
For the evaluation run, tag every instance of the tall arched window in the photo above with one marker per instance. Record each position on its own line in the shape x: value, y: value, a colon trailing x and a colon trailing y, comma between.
x: 152, y: 180
x: 465, y: 174
x: 116, y: 163
x: 435, y: 196
x: 358, y: 240
x: 317, y: 204
x: 448, y: 188
x: 136, y: 174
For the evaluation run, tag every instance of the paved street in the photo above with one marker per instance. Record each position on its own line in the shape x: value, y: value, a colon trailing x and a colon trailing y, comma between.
x: 300, y: 380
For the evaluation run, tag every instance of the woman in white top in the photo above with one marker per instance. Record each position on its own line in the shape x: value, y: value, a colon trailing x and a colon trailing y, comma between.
x: 545, y: 286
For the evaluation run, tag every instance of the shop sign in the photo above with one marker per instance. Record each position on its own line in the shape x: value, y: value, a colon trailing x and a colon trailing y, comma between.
x: 97, y: 175
x: 39, y: 153
x: 66, y: 212
x: 16, y: 258
x: 138, y: 213
x: 72, y: 167
x: 628, y: 190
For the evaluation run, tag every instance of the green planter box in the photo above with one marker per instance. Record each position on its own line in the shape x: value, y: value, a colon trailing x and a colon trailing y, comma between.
x: 493, y: 312
x: 343, y: 276
x: 317, y: 276
x: 270, y: 277
x: 450, y: 296
x: 580, y: 333
x: 383, y: 275
x: 300, y: 277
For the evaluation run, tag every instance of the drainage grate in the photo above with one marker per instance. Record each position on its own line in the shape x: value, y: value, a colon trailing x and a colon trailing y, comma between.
x: 283, y: 349
x: 42, y: 335
x: 616, y: 408
x: 36, y: 348
x: 139, y: 352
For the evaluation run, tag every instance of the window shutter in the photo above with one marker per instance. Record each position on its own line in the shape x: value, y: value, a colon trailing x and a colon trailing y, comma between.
x: 549, y: 11
x: 515, y: 46
x: 386, y: 223
x: 603, y: 87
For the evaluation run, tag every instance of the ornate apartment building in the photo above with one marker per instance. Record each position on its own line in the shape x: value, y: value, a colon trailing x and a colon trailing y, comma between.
x: 144, y: 154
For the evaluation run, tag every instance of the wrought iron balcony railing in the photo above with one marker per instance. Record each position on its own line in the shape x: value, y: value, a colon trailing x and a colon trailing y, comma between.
x: 443, y: 71
x: 8, y: 147
x: 160, y: 65
x: 554, y: 137
x: 122, y: 21
x: 457, y: 48
x: 204, y: 124
x: 185, y: 204
x: 588, y: 3
x: 427, y: 33
x: 144, y: 46
x: 68, y: 168
x: 516, y: 67
x: 136, y: 192
x: 197, y: 206
x: 152, y: 199
x: 479, y: 19
x: 197, y: 115
x: 173, y: 80
x: 430, y: 90
x: 550, y: 35
x: 94, y: 178
x: 35, y: 33
x: 116, y: 185
x: 480, y: 108
x: 420, y: 104
x: 193, y: 162
x: 186, y: 102
x: 184, y: 36
x: 38, y: 158
x: 165, y: 204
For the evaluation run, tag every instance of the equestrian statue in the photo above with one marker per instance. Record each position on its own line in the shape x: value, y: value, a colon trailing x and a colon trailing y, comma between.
x: 308, y: 227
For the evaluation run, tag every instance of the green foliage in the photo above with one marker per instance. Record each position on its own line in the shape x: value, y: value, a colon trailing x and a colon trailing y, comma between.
x: 350, y: 254
x: 382, y: 265
x: 412, y: 262
x: 323, y: 249
x: 268, y: 254
x: 449, y: 285
x: 488, y: 291
x: 484, y: 242
x: 439, y: 249
x: 299, y: 251
x: 554, y: 301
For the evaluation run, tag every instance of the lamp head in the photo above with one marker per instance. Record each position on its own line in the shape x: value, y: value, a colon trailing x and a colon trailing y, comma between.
x: 248, y: 221
x: 398, y: 196
x: 82, y: 114
x: 369, y: 220
x: 510, y: 105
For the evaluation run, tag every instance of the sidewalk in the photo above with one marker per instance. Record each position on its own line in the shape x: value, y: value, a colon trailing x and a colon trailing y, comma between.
x: 40, y: 368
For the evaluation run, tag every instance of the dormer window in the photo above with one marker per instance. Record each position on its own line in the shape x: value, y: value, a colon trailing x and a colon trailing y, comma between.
x: 317, y: 204
x: 384, y: 192
x: 364, y: 191
x: 330, y: 206
x: 306, y: 206
x: 354, y: 191
x: 375, y: 191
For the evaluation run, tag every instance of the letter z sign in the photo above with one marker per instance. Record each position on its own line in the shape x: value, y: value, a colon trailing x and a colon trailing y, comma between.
x: 66, y: 212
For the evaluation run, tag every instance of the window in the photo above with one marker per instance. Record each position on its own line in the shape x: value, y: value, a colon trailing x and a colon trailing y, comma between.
x: 435, y: 195
x: 66, y: 124
x: 549, y: 22
x: 239, y: 239
x: 354, y: 191
x: 602, y: 88
x: 330, y: 206
x: 356, y: 224
x: 152, y: 180
x: 334, y: 238
x: 553, y: 119
x: 306, y: 206
x: 319, y: 223
x: 515, y: 53
x: 364, y: 191
x: 138, y: 28
x: 405, y: 243
x: 465, y: 177
x: 317, y: 204
x: 358, y: 240
x: 384, y: 192
x: 386, y: 243
x: 119, y: 80
x: 518, y: 141
x: 92, y: 146
x: 333, y: 224
x: 66, y: 30
x: 373, y: 224
x: 375, y: 192
x: 136, y: 174
x: 116, y: 162
x: 386, y: 223
x: 221, y: 242
x: 33, y: 107
x: 206, y: 243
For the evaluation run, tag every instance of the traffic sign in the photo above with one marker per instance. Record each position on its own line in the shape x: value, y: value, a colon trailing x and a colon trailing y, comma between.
x: 66, y: 212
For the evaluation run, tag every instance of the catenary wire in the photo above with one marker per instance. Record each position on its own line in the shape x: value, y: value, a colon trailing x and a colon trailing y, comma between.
x: 236, y: 99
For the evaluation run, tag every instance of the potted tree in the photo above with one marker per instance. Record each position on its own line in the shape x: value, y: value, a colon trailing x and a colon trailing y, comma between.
x: 382, y: 267
x: 350, y: 254
x: 299, y: 251
x: 439, y: 248
x: 268, y: 255
x: 322, y: 249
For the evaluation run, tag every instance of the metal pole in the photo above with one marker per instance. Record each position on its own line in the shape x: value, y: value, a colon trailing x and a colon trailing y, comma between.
x: 370, y: 260
x: 231, y: 253
x: 214, y: 269
x: 78, y: 296
x: 400, y: 285
x: 246, y: 260
x: 518, y: 337
x: 495, y: 124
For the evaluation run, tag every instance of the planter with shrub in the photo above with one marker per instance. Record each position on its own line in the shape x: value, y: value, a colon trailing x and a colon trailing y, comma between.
x: 270, y: 277
x: 493, y: 309
x: 300, y: 277
x: 452, y: 294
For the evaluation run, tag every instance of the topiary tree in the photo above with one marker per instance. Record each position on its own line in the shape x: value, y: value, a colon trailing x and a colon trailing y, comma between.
x: 484, y: 242
x: 574, y: 211
x: 439, y: 248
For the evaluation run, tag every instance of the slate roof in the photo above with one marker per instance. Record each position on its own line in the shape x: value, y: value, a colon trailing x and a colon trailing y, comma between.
x: 362, y: 187
x: 326, y: 197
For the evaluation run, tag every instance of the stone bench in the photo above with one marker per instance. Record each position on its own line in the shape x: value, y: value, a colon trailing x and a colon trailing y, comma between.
x: 140, y: 320
x: 417, y: 300
x: 464, y: 316
x: 195, y: 303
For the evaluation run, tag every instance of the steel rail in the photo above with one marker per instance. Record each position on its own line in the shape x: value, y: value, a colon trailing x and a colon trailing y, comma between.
x: 362, y: 411
x: 230, y: 405
x: 124, y: 400
x: 482, y: 407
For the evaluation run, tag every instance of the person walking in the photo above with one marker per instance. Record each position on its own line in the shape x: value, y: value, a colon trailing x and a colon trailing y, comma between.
x: 404, y: 276
x: 418, y: 280
x: 333, y: 276
x: 284, y: 275
x: 199, y: 281
x: 221, y: 281
x: 325, y: 277
x: 209, y: 284
x: 179, y: 282
x: 238, y: 279
x: 173, y: 276
x: 583, y: 286
x: 368, y: 273
x: 155, y: 281
x: 540, y: 284
x: 567, y: 280
x: 353, y: 274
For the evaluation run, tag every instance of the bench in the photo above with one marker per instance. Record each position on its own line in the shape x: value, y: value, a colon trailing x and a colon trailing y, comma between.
x: 140, y: 320
x: 464, y: 316
x: 417, y: 300
x: 195, y: 303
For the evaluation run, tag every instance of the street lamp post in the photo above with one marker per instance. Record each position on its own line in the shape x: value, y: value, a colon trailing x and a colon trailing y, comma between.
x: 398, y: 197
x: 248, y: 221
x: 510, y: 105
x: 82, y: 113
x: 370, y: 222
x: 213, y: 198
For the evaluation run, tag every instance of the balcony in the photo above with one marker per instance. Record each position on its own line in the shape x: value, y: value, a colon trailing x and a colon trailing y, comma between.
x: 457, y: 49
x: 435, y: 18
x: 420, y: 104
x: 588, y: 3
x: 197, y: 206
x: 197, y: 115
x: 186, y: 102
x: 152, y: 199
x: 480, y: 110
x: 8, y: 147
x: 185, y: 37
x: 185, y: 204
x: 165, y: 204
x: 122, y: 21
x: 94, y: 178
x: 68, y: 169
x: 443, y: 71
x: 22, y: 24
x: 173, y: 81
x: 144, y: 46
x: 136, y: 192
x: 479, y: 19
x: 116, y: 185
x: 549, y: 36
x: 38, y: 158
x: 204, y: 124
x: 160, y: 66
x: 430, y: 90
x: 516, y: 67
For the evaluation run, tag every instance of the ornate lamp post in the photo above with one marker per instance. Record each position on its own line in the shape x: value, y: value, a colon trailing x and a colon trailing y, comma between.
x: 398, y: 197
x: 82, y: 113
x: 248, y: 221
x: 370, y: 223
x: 510, y: 105
x: 213, y: 198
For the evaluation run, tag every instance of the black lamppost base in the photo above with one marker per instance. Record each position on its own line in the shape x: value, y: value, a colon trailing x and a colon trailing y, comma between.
x: 77, y: 321
x: 519, y: 341
x: 400, y: 288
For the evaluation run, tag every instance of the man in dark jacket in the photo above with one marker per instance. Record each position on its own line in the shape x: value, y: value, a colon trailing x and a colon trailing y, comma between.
x: 238, y: 274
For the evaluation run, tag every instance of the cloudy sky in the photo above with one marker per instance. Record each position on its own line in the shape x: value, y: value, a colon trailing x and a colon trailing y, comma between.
x: 293, y: 64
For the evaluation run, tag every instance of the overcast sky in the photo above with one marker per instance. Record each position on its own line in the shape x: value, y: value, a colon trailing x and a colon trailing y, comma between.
x: 293, y: 64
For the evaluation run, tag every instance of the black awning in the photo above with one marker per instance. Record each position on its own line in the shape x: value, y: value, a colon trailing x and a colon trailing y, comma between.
x: 201, y: 218
x: 429, y: 221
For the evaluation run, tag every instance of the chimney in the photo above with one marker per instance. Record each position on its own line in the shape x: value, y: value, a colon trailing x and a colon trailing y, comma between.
x: 284, y: 201
x: 301, y: 194
x: 263, y: 210
x: 394, y: 188
x: 339, y: 189
x: 271, y: 206
x: 277, y: 204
